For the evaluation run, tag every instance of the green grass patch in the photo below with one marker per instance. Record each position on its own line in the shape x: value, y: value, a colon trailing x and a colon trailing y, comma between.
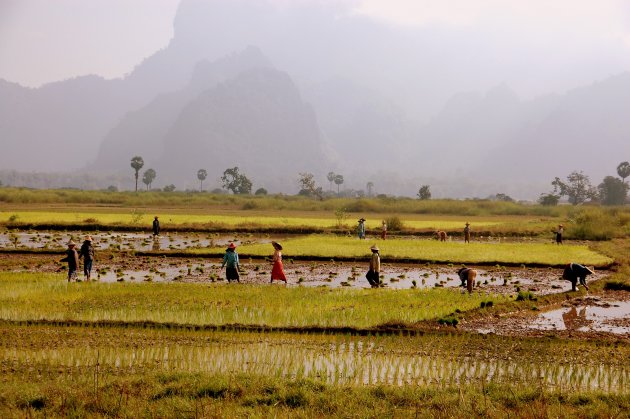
x: 328, y: 246
x: 32, y: 296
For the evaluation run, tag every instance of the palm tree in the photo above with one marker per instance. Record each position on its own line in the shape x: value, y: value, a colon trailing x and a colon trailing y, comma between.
x: 623, y: 170
x: 137, y: 162
x: 148, y: 177
x: 338, y: 181
x: 331, y: 179
x: 201, y: 175
x: 369, y: 187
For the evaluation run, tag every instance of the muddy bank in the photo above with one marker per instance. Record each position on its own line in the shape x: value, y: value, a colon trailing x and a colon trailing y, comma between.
x: 590, y: 316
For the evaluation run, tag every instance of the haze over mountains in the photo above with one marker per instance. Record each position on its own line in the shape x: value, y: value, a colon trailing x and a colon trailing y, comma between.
x: 278, y: 91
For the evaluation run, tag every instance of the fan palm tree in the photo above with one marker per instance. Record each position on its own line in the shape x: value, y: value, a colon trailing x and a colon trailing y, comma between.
x: 137, y: 162
x: 201, y: 175
x: 623, y: 170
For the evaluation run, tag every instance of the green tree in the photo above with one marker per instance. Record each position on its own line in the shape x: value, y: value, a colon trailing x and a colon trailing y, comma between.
x: 338, y: 181
x: 503, y: 197
x: 308, y: 186
x: 623, y: 170
x: 261, y: 191
x: 424, y: 193
x: 169, y: 188
x: 578, y: 188
x: 549, y: 199
x: 331, y: 179
x: 613, y: 191
x: 137, y: 162
x: 148, y: 177
x: 201, y: 175
x: 236, y: 182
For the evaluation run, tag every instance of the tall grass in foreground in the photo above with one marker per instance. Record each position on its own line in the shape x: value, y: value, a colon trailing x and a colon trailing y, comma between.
x: 330, y: 246
x: 33, y: 296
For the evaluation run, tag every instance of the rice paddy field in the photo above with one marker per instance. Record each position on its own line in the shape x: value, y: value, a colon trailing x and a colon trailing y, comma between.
x: 160, y: 334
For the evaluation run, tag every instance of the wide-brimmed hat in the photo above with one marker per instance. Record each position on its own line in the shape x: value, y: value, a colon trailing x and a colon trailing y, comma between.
x: 361, y: 219
x: 88, y: 238
x: 276, y: 245
x: 467, y: 224
x: 71, y: 243
x: 232, y: 246
x: 156, y: 217
x: 560, y: 225
x: 374, y: 248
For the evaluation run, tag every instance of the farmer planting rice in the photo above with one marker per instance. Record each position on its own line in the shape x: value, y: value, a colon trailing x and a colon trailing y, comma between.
x: 575, y: 271
x: 231, y: 263
x: 277, y: 272
x: 467, y: 276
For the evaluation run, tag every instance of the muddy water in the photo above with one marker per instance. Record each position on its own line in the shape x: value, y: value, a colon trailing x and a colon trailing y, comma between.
x: 339, y: 274
x: 593, y: 315
x: 124, y: 241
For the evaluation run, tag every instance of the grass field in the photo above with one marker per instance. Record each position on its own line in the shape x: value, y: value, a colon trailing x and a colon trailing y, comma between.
x: 35, y: 296
x: 329, y: 246
x: 240, y: 219
x: 132, y: 372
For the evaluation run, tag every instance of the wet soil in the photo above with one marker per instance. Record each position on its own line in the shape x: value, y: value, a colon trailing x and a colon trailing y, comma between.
x: 591, y: 316
x: 118, y: 267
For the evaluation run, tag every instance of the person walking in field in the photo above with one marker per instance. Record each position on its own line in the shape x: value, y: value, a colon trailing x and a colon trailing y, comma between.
x: 73, y: 261
x: 277, y: 272
x: 374, y: 272
x: 231, y: 263
x: 156, y: 226
x: 559, y: 233
x: 467, y: 233
x: 384, y: 230
x: 87, y: 253
x: 361, y: 228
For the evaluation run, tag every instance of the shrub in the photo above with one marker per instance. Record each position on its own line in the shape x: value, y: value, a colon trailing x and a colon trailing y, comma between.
x: 394, y: 223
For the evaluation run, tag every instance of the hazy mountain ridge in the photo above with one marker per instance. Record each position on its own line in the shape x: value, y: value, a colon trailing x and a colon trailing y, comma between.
x: 141, y: 132
x: 256, y: 121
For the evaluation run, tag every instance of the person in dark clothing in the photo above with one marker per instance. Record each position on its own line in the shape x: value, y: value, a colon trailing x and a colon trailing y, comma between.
x: 156, y: 226
x: 87, y: 253
x: 467, y: 276
x: 574, y: 272
x: 230, y: 261
x: 72, y: 258
x: 559, y: 233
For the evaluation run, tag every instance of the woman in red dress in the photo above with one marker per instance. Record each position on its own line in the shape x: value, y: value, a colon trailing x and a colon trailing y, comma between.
x: 277, y: 272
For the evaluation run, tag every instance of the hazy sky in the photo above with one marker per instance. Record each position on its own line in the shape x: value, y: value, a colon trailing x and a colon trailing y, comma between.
x: 49, y: 40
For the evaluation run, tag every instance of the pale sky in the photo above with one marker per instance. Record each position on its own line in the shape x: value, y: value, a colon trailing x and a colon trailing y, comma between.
x: 49, y: 40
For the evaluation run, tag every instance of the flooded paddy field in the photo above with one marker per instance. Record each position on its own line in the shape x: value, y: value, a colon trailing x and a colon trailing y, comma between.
x: 125, y: 241
x: 447, y: 360
x: 491, y: 280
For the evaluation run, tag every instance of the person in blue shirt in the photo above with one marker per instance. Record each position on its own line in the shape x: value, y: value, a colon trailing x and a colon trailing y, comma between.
x: 361, y: 228
x: 230, y: 261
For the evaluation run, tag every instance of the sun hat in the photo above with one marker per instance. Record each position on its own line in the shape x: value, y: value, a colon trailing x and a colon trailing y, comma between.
x: 88, y: 238
x: 71, y: 243
x: 374, y: 248
x: 276, y: 245
x: 467, y: 223
x: 232, y: 246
